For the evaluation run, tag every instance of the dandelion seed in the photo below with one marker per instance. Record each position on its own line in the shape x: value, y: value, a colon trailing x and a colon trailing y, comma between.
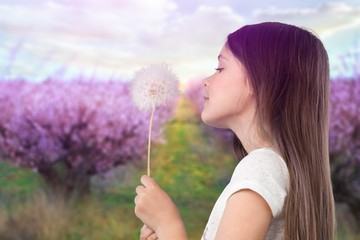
x: 152, y: 87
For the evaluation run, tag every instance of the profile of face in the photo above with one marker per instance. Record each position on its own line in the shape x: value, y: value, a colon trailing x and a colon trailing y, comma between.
x: 228, y: 95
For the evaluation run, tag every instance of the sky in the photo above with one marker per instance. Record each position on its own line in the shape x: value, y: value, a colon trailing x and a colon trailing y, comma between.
x: 111, y: 39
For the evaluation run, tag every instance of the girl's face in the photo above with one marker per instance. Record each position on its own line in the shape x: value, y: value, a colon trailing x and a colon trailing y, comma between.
x: 228, y: 95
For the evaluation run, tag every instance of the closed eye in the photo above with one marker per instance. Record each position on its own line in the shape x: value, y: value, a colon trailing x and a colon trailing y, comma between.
x: 219, y: 69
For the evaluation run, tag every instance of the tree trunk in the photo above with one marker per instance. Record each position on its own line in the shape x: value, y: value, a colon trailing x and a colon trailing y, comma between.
x: 72, y: 184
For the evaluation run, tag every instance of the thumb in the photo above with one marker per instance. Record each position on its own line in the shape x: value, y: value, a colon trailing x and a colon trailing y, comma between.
x: 148, y: 181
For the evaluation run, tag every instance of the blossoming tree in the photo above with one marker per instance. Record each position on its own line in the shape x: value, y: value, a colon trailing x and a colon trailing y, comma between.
x: 70, y: 131
x: 345, y: 142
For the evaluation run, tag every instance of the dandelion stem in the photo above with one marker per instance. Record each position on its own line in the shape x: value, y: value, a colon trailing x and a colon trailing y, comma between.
x: 149, y: 140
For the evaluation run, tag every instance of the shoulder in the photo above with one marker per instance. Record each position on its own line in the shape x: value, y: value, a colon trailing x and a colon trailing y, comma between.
x: 264, y: 172
x: 262, y: 162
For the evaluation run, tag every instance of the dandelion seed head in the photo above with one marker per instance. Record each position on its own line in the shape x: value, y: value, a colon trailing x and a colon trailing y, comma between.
x: 154, y: 86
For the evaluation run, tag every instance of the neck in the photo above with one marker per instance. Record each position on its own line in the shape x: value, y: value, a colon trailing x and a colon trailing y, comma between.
x: 247, y: 132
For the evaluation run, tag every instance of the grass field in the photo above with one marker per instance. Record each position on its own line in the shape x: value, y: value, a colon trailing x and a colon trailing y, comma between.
x: 192, y: 168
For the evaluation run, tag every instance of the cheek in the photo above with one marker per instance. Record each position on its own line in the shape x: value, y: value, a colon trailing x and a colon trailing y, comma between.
x: 219, y: 110
x: 228, y: 98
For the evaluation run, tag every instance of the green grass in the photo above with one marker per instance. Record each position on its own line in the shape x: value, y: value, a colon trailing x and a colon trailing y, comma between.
x: 185, y: 166
x: 16, y: 184
x: 191, y: 168
x: 13, y: 179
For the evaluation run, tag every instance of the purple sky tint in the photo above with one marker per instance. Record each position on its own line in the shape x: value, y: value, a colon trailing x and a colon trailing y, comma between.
x: 113, y: 38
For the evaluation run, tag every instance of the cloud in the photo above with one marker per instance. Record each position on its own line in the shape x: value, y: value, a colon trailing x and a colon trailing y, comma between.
x: 97, y: 34
x: 326, y: 19
x: 116, y: 38
x: 189, y: 41
x: 86, y: 19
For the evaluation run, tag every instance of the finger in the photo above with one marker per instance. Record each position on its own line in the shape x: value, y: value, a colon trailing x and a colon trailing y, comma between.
x: 147, y: 181
x: 152, y: 237
x: 136, y: 199
x: 146, y: 229
x: 145, y: 232
x: 140, y: 190
x: 143, y: 227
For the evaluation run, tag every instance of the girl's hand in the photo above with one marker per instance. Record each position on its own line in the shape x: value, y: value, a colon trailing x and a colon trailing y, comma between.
x: 147, y: 233
x: 156, y: 210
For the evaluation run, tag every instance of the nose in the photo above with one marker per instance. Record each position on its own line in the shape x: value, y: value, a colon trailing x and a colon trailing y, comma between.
x: 205, y: 82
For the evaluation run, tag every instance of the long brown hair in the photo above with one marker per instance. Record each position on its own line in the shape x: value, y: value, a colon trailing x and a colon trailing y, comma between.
x: 288, y: 70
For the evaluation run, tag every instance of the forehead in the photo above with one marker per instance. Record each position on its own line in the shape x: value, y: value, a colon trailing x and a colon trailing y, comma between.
x: 225, y: 53
x: 226, y: 56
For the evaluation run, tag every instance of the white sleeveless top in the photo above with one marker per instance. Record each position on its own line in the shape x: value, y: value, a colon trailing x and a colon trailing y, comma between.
x: 264, y: 172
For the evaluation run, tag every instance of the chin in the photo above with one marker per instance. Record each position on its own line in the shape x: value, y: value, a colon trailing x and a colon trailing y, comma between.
x: 205, y: 119
x: 211, y: 122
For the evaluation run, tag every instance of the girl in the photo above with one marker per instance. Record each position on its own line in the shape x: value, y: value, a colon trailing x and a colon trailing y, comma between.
x: 271, y: 89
